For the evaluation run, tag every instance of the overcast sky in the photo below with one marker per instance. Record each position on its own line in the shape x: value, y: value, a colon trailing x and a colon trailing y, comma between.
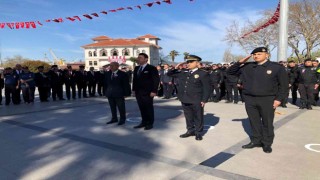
x: 196, y: 27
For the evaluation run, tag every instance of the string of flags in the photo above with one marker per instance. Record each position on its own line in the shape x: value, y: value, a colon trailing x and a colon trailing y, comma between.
x: 33, y: 24
x: 271, y: 21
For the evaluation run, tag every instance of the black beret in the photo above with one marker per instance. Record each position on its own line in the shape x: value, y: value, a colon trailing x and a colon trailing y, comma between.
x: 260, y: 49
x: 193, y: 58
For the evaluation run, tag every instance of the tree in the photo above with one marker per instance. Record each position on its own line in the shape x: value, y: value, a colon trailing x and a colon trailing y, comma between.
x: 33, y: 65
x: 134, y: 60
x: 173, y: 54
x: 304, y: 25
x: 185, y: 54
x: 228, y: 57
x: 12, y: 61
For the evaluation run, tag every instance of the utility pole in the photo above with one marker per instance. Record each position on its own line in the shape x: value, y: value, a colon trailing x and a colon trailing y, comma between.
x: 283, y: 30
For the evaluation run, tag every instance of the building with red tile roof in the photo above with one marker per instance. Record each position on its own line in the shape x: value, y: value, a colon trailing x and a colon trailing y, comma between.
x: 105, y: 50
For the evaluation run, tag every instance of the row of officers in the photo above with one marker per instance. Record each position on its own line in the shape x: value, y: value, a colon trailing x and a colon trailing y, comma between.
x: 50, y: 84
x: 302, y: 78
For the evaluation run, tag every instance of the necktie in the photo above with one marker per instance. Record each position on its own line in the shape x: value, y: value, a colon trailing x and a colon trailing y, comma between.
x: 112, y: 76
x: 140, y: 70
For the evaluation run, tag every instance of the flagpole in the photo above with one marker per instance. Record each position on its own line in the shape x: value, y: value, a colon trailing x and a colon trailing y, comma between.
x: 283, y: 30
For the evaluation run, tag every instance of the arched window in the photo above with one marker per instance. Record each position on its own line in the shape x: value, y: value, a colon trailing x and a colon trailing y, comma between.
x: 125, y: 52
x: 138, y: 52
x: 95, y: 53
x: 114, y: 52
x: 143, y: 51
x: 103, y: 52
x: 90, y: 54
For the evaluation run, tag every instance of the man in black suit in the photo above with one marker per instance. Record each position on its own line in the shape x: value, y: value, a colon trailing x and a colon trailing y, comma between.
x: 43, y: 83
x: 92, y: 81
x: 167, y: 82
x: 117, y: 87
x: 194, y: 91
x: 145, y: 86
x: 70, y: 82
x: 82, y: 81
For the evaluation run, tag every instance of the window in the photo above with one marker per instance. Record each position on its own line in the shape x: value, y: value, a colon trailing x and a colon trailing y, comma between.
x: 95, y: 63
x: 90, y: 54
x: 95, y: 53
x: 90, y: 63
x: 125, y: 52
x: 138, y: 52
x: 103, y: 52
x: 143, y: 51
x: 114, y: 52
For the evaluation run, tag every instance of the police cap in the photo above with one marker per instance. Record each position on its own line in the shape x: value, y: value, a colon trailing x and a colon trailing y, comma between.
x: 193, y: 58
x: 260, y: 49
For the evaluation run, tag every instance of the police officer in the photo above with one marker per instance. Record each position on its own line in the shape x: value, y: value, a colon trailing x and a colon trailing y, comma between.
x: 265, y: 85
x: 11, y: 85
x: 216, y: 80
x: 70, y: 82
x: 43, y: 83
x: 1, y: 86
x: 194, y: 91
x: 293, y: 80
x: 309, y: 80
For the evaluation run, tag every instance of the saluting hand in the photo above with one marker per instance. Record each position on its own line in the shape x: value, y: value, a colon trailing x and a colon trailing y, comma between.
x: 316, y: 86
x: 203, y: 104
x: 245, y: 59
x: 276, y: 103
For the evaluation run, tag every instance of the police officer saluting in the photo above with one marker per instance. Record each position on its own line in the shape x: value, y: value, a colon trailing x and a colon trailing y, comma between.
x: 265, y: 85
x: 194, y: 91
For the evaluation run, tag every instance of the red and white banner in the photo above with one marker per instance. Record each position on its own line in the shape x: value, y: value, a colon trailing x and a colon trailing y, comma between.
x: 118, y: 59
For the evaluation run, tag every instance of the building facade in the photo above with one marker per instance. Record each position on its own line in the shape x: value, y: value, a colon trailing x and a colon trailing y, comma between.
x: 105, y: 50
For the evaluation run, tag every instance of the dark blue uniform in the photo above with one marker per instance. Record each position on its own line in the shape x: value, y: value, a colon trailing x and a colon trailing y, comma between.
x: 10, y: 90
x: 194, y: 88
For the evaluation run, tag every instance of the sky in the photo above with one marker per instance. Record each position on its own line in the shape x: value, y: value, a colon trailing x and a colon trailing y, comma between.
x: 196, y: 27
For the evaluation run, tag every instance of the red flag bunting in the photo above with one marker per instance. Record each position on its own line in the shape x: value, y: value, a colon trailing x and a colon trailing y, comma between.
x: 138, y: 6
x: 87, y: 16
x: 95, y: 14
x: 39, y: 23
x: 10, y: 25
x: 130, y: 8
x: 167, y: 1
x: 77, y: 17
x: 120, y: 9
x: 2, y: 25
x: 104, y: 12
x: 27, y: 25
x: 112, y: 10
x: 71, y: 19
x: 22, y: 24
x: 17, y: 25
x: 58, y: 20
x: 149, y: 4
x: 33, y: 25
x: 158, y: 2
x: 48, y: 20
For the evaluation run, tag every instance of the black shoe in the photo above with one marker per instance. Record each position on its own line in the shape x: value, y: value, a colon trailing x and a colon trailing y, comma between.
x: 309, y: 108
x: 139, y: 126
x: 148, y: 127
x: 235, y: 103
x: 251, y: 145
x: 198, y: 137
x: 301, y: 107
x: 228, y: 101
x: 112, y: 121
x: 267, y: 149
x: 121, y: 123
x: 187, y: 134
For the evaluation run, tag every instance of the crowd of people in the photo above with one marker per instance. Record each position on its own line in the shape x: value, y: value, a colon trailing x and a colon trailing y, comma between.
x: 303, y: 78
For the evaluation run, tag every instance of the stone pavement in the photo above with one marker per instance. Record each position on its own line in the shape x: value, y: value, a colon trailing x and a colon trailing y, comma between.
x: 70, y: 140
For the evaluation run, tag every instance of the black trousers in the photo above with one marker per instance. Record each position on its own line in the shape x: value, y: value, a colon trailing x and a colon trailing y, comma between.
x: 216, y: 92
x: 233, y: 92
x: 160, y: 90
x: 306, y: 94
x: 167, y: 90
x: 120, y: 104
x: 71, y: 87
x: 194, y: 117
x: 17, y: 95
x: 82, y: 89
x: 100, y: 89
x: 43, y: 93
x: 28, y: 94
x: 10, y: 94
x: 223, y: 91
x: 92, y: 88
x: 0, y: 95
x: 145, y: 103
x: 57, y: 90
x: 294, y: 89
x: 261, y: 115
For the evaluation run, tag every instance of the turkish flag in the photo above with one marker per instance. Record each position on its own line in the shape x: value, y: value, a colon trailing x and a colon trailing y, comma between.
x: 130, y: 8
x: 39, y: 23
x: 33, y: 25
x: 149, y: 4
x: 167, y: 1
x: 112, y: 10
x: 22, y: 24
x: 104, y: 12
x: 120, y: 9
x: 138, y: 6
x: 2, y: 25
x: 17, y: 25
x: 27, y: 25
x: 77, y: 17
x: 71, y: 19
x: 158, y: 2
x: 48, y: 20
